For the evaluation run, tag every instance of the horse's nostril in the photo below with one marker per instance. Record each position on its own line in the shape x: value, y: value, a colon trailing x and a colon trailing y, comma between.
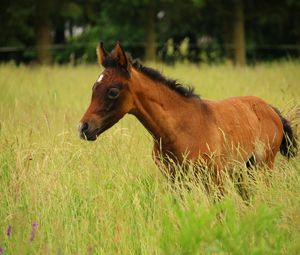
x: 84, y: 127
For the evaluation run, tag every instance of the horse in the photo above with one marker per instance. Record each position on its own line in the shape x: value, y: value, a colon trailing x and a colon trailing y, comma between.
x: 184, y: 126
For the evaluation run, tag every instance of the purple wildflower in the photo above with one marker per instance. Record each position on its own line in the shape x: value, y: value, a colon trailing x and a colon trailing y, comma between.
x: 33, y: 231
x: 8, y: 231
x: 1, y: 250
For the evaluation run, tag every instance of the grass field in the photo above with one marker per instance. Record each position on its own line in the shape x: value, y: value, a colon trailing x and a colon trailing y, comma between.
x: 62, y: 195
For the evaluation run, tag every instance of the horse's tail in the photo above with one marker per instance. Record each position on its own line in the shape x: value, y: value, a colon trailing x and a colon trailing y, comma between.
x: 288, y: 146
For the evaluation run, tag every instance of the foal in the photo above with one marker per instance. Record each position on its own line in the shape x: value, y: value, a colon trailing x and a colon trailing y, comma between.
x: 184, y: 126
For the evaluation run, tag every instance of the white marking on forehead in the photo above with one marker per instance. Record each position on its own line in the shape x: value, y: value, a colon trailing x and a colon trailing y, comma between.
x: 100, y: 78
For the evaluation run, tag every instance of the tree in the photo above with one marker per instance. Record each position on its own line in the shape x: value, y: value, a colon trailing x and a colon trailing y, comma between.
x: 150, y: 33
x: 16, y: 27
x: 238, y: 24
x: 230, y: 26
x: 42, y: 31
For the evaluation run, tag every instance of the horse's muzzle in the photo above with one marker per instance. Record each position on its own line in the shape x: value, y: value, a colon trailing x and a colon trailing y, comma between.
x: 86, y: 133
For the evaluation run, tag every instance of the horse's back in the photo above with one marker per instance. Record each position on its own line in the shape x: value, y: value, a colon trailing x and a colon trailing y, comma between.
x: 247, y: 123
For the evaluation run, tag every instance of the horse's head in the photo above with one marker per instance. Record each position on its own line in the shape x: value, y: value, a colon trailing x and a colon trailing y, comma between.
x: 111, y: 97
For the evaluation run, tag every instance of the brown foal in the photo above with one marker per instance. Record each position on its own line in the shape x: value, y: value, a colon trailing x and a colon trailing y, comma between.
x: 183, y: 126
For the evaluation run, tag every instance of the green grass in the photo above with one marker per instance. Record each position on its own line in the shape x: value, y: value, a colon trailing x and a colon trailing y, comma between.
x: 108, y: 197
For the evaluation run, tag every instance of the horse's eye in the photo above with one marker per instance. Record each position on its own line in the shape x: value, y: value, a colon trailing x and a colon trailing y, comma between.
x: 113, y: 93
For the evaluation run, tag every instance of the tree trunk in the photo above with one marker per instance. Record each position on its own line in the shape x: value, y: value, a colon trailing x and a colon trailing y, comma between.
x: 150, y: 47
x: 239, y: 33
x: 43, y: 37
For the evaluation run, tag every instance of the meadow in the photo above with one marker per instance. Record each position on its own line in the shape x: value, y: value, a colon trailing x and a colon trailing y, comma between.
x: 63, y: 195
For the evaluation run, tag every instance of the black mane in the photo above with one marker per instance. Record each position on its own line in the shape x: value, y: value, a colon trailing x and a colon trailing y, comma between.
x: 172, y: 84
x: 153, y: 74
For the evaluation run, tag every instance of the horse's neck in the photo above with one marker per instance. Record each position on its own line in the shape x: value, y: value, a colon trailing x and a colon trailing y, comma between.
x: 158, y: 107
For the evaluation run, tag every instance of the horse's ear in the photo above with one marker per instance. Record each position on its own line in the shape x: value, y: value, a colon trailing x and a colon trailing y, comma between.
x: 101, y: 53
x: 120, y: 56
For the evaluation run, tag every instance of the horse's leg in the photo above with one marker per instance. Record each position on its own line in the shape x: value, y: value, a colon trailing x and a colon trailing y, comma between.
x: 267, y: 163
x: 243, y: 178
x: 250, y: 164
x: 270, y: 155
x: 270, y: 161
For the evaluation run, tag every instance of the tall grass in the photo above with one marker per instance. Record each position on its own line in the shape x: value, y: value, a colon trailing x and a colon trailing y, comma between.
x: 62, y: 195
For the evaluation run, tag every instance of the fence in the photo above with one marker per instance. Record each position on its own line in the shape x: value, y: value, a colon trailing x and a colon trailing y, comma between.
x: 167, y: 52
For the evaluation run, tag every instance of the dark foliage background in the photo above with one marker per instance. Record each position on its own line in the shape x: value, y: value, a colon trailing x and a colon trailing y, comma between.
x: 61, y: 31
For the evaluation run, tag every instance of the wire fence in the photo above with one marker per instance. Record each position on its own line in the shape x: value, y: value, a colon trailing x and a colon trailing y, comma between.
x: 80, y: 52
x: 141, y: 44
